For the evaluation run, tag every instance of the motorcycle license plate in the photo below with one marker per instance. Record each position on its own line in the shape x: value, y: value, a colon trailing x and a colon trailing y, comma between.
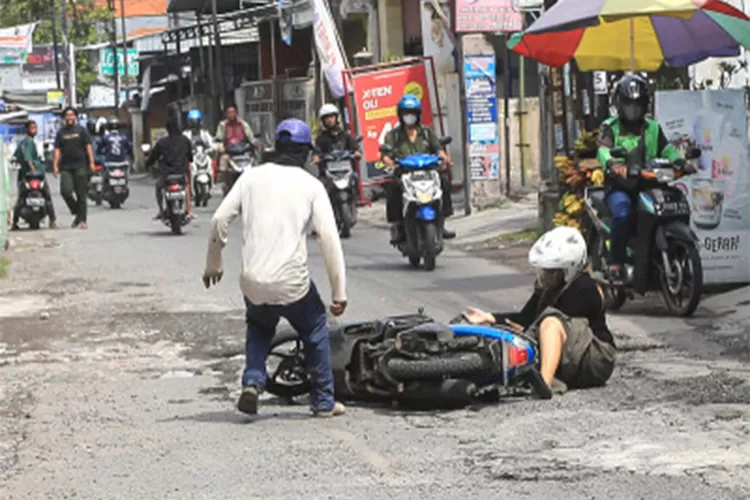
x: 35, y: 202
x: 117, y: 182
x: 178, y: 195
x: 96, y: 180
x: 202, y: 178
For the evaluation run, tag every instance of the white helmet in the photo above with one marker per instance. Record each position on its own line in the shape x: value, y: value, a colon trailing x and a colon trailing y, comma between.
x: 328, y: 109
x: 561, y: 248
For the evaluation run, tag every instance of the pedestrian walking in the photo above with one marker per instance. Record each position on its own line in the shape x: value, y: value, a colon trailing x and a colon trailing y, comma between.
x: 72, y: 161
x: 279, y: 202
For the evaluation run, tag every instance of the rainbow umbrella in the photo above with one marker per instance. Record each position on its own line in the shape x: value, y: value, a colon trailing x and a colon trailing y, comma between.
x: 594, y: 33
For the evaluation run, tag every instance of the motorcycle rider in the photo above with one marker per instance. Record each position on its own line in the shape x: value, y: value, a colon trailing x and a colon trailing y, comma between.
x: 28, y: 160
x: 410, y: 137
x: 632, y: 100
x: 96, y: 139
x: 174, y: 154
x: 565, y: 314
x: 114, y: 147
x: 332, y: 137
x: 277, y: 202
x: 230, y: 131
x: 196, y: 132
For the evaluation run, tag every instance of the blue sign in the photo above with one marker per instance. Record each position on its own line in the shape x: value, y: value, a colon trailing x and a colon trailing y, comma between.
x: 481, y: 110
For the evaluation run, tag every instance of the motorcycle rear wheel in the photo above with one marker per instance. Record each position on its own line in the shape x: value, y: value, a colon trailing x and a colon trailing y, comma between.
x: 291, y: 364
x: 467, y: 364
x: 688, y: 260
x: 175, y: 224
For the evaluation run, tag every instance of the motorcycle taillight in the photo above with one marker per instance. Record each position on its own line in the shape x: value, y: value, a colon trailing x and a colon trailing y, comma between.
x: 175, y: 187
x: 517, y: 356
x: 35, y: 184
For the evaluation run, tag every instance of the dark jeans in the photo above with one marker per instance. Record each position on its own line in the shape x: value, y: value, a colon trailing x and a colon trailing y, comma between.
x: 308, y: 317
x: 74, y: 185
x: 394, y: 199
x: 620, y: 205
x: 19, y: 200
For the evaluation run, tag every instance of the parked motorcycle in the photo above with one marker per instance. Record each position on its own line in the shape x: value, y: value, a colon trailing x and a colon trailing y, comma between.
x: 343, y: 186
x: 413, y: 360
x: 240, y: 159
x: 662, y: 251
x: 423, y: 219
x: 115, y: 183
x: 202, y: 174
x: 33, y: 207
x: 96, y: 186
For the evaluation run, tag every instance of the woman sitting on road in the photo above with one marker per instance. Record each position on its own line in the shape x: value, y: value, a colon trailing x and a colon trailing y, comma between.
x: 565, y: 314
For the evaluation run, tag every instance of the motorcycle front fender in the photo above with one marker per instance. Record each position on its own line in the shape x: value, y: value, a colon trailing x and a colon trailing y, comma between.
x: 343, y: 195
x: 676, y: 230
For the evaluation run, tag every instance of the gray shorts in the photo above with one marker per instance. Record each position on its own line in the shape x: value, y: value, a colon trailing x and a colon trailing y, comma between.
x: 586, y: 361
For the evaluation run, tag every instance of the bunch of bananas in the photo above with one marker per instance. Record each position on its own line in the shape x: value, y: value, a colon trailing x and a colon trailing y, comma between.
x: 563, y: 219
x: 586, y: 141
x: 597, y: 177
x: 572, y: 204
x: 564, y: 164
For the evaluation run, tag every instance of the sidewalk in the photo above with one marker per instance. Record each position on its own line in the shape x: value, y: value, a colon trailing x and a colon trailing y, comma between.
x: 510, y: 217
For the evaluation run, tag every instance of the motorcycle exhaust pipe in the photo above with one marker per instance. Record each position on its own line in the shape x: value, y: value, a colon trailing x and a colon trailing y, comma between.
x: 449, y: 394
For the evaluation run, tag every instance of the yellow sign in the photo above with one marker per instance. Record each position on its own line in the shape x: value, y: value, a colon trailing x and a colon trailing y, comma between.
x: 414, y: 89
x: 55, y: 97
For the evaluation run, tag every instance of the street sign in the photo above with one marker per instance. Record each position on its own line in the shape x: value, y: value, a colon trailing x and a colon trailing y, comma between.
x: 107, y: 62
x: 600, y: 83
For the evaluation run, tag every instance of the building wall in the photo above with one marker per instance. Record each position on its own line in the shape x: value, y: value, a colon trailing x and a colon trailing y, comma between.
x: 293, y: 60
x: 390, y: 17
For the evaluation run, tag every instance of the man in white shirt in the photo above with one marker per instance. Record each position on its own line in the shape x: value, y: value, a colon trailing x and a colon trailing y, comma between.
x: 279, y: 202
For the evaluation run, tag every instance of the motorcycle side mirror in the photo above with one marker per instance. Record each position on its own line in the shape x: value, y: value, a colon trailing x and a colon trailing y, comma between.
x: 446, y: 140
x: 693, y: 154
x: 618, y: 153
x: 386, y: 149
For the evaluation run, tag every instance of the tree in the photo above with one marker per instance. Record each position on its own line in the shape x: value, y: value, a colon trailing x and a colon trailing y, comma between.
x: 87, y: 23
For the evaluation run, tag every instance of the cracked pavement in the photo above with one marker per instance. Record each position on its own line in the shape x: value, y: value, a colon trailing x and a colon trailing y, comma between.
x: 120, y: 372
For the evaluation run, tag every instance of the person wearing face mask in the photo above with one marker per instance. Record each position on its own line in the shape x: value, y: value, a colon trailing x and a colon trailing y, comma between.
x: 410, y: 137
x: 565, y: 314
x: 278, y: 202
x: 632, y: 100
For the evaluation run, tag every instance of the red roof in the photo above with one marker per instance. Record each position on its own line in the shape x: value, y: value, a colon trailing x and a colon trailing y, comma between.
x: 138, y: 8
x: 138, y: 32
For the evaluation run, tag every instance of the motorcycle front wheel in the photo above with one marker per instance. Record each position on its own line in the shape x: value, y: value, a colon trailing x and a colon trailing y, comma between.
x: 285, y: 365
x: 430, y: 245
x: 614, y: 297
x: 682, y: 291
x: 346, y: 223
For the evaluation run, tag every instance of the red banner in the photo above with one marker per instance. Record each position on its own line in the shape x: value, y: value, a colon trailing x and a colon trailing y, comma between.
x: 376, y: 95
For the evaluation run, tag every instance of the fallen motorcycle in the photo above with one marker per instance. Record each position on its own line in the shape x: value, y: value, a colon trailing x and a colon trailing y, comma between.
x: 414, y: 361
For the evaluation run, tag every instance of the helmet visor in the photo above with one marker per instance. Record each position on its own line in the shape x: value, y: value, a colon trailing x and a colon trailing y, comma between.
x: 633, y: 111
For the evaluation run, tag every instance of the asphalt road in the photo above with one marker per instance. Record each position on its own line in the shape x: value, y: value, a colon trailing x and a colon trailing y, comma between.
x: 120, y: 372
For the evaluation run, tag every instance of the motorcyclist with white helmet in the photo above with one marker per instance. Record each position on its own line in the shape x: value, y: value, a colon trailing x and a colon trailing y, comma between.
x: 565, y: 314
x: 332, y: 137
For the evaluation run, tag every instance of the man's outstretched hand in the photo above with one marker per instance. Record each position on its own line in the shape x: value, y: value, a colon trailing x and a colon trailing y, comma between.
x: 212, y: 278
x: 337, y: 308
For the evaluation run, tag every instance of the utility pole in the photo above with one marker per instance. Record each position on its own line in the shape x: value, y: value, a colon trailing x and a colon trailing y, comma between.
x: 113, y: 41
x: 53, y: 20
x: 217, y: 44
x: 125, y: 82
x: 66, y: 48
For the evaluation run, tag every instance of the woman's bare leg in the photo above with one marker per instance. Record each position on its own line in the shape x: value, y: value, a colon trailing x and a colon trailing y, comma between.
x: 552, y: 336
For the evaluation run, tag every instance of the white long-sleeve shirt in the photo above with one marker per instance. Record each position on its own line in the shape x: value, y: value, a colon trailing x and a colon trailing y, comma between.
x: 279, y: 205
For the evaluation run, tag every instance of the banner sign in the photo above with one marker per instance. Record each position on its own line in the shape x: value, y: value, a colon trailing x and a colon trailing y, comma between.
x: 40, y: 81
x: 376, y: 95
x: 715, y: 121
x: 107, y: 62
x: 331, y: 57
x: 487, y: 16
x: 15, y: 43
x: 41, y: 59
x: 481, y: 105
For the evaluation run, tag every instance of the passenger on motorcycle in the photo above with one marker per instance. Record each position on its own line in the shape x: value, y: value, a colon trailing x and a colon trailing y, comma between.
x: 174, y: 153
x: 332, y: 137
x: 565, y: 314
x: 28, y: 160
x: 278, y: 202
x: 410, y: 137
x: 115, y: 147
x: 632, y: 100
x: 231, y: 131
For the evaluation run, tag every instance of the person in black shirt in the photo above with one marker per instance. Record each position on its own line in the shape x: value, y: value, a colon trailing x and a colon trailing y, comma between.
x: 331, y: 137
x: 174, y: 154
x: 565, y: 314
x: 72, y: 160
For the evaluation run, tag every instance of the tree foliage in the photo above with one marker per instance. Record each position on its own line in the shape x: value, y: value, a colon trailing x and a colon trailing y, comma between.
x: 86, y: 22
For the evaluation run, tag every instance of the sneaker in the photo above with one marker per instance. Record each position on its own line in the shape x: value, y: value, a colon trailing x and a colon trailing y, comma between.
x: 337, y: 410
x: 75, y: 223
x: 248, y: 402
x: 52, y: 224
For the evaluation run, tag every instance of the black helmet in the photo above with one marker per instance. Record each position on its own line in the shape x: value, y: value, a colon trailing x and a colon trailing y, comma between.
x: 632, y: 98
x: 113, y: 123
x: 91, y: 126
